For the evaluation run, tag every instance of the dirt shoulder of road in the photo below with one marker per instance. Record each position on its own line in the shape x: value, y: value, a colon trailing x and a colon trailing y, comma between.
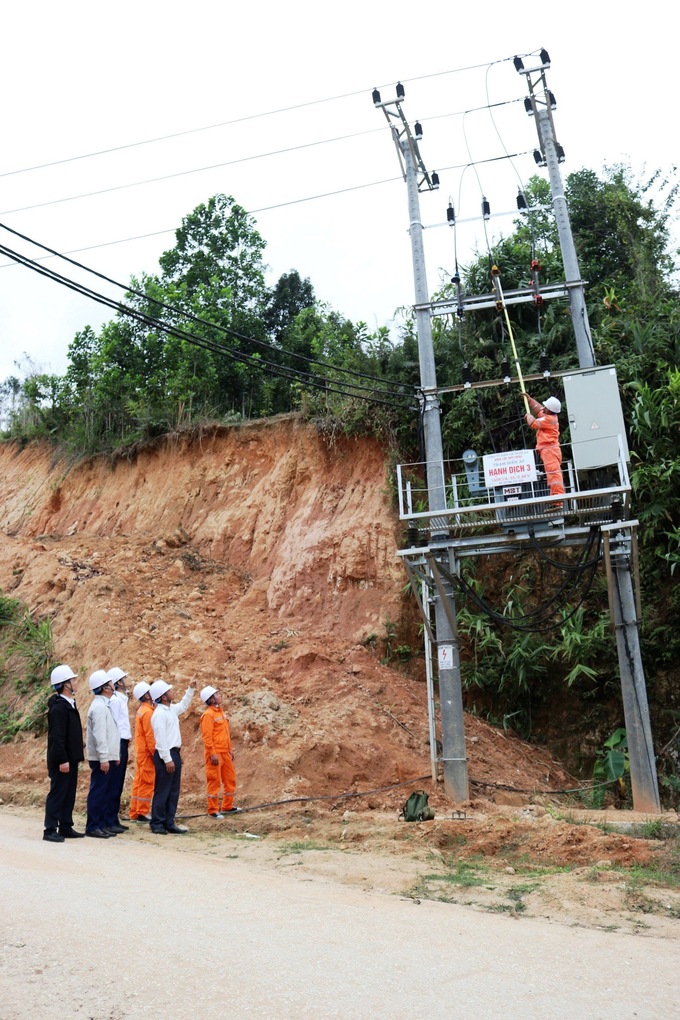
x: 512, y: 861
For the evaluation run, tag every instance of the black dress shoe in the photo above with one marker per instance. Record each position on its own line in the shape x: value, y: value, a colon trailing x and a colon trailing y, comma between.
x: 109, y: 830
x: 159, y: 832
x: 176, y: 830
x: 98, y: 834
x: 116, y: 829
x: 53, y: 837
x: 125, y: 828
x: 71, y: 834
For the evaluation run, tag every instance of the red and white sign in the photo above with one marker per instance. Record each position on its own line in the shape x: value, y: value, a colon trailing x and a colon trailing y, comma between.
x: 509, y: 468
x: 446, y: 656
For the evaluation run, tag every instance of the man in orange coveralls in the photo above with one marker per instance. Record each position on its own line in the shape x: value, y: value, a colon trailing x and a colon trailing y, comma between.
x: 145, y: 745
x: 219, y: 757
x: 544, y: 420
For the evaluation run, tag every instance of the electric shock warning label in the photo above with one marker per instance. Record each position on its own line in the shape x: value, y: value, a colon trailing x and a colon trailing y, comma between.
x: 446, y: 656
x: 509, y: 468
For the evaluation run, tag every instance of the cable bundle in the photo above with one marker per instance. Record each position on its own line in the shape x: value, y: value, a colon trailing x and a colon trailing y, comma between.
x: 387, y: 387
x: 537, y: 620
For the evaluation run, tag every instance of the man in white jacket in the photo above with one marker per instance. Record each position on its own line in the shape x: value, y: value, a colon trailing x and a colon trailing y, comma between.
x: 102, y: 747
x: 121, y: 713
x: 167, y: 760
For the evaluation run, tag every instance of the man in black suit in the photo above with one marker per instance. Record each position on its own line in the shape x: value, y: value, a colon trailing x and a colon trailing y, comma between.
x: 64, y: 754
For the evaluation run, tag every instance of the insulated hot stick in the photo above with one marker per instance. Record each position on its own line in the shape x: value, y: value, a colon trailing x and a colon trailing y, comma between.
x: 500, y: 305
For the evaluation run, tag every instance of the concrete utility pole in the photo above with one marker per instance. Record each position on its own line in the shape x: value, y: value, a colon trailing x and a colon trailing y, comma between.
x: 572, y: 273
x: 635, y: 706
x: 450, y: 689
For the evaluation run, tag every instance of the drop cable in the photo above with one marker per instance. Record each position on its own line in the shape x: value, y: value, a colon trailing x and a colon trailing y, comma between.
x: 253, y: 362
x: 204, y: 322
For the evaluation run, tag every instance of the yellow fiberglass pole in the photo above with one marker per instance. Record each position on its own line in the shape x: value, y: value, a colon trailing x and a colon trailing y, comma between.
x: 500, y: 305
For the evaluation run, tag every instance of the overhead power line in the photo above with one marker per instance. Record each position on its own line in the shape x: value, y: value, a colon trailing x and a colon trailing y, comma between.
x: 254, y: 362
x: 234, y: 162
x: 248, y: 117
x: 268, y: 208
x: 206, y: 322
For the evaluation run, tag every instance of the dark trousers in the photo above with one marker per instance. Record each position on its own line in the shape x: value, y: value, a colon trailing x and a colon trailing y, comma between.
x: 61, y: 798
x: 166, y: 791
x: 99, y: 797
x: 118, y: 781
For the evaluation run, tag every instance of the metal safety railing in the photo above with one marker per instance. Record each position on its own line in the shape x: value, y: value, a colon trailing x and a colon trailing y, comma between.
x: 454, y: 494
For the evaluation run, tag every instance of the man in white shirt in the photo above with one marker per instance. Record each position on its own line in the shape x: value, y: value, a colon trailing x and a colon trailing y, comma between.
x: 167, y: 760
x: 102, y: 747
x: 118, y: 704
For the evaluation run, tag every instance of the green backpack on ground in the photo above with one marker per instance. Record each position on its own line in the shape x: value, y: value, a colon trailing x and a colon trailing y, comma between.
x: 416, y: 809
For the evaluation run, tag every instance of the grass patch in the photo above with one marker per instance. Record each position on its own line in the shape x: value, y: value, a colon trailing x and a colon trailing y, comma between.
x: 645, y: 874
x: 298, y: 846
x: 516, y: 892
x: 463, y: 876
x: 26, y: 659
x: 656, y: 829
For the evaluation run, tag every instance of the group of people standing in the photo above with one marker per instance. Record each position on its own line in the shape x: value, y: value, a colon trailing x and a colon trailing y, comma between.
x: 158, y: 763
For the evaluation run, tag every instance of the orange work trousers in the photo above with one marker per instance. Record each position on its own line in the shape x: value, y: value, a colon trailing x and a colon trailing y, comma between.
x: 552, y: 462
x: 222, y: 775
x: 142, y: 788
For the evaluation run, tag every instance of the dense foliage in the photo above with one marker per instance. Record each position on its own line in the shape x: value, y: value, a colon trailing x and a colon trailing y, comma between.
x: 131, y: 381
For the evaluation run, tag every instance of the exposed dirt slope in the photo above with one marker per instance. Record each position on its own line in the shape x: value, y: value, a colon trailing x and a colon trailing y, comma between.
x: 255, y: 558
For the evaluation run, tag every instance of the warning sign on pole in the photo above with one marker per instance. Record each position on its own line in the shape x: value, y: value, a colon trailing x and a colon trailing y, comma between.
x: 509, y: 468
x: 446, y: 656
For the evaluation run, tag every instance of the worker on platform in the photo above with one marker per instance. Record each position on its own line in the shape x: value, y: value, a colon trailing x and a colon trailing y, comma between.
x: 118, y: 704
x: 145, y: 745
x: 64, y: 754
x: 545, y: 421
x: 167, y: 760
x: 219, y: 757
x: 103, y: 755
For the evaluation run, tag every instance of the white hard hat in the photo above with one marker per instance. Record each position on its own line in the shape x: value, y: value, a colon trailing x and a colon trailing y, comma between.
x: 115, y: 674
x: 207, y: 693
x: 158, y: 689
x: 60, y: 674
x: 553, y: 404
x: 140, y: 689
x: 98, y: 679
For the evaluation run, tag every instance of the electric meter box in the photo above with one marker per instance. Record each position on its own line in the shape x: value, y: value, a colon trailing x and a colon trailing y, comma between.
x: 595, y: 418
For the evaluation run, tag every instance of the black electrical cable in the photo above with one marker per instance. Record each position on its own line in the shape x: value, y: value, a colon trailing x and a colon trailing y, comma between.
x: 533, y: 622
x: 538, y: 615
x: 394, y: 786
x: 529, y: 628
x: 253, y: 362
x: 560, y: 597
x: 517, y: 789
x: 483, y: 417
x: 560, y: 565
x: 204, y: 322
x: 294, y: 374
x: 330, y: 796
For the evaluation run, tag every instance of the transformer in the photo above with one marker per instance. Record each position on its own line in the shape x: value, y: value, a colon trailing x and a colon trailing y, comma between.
x: 595, y: 418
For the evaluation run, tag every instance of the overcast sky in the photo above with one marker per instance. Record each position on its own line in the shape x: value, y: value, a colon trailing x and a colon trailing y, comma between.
x: 81, y: 77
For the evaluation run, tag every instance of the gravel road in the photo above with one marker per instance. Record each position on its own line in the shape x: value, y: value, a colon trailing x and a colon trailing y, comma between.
x: 121, y: 930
